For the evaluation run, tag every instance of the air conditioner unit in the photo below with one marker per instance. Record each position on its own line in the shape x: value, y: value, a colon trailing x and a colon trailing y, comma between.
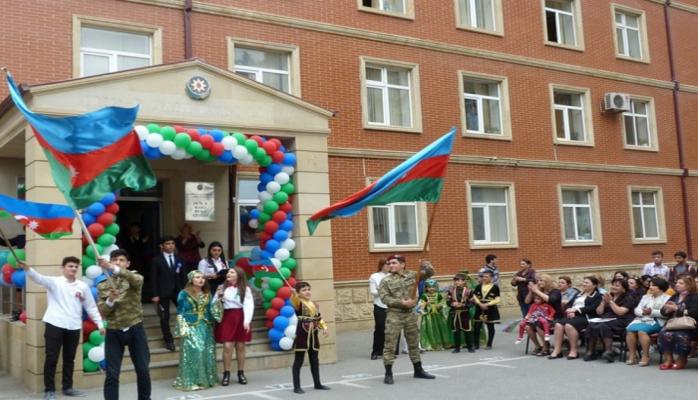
x: 616, y: 102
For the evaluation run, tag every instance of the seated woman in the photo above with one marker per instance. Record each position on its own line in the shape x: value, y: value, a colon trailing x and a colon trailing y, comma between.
x: 684, y: 302
x: 649, y: 320
x: 615, y: 313
x: 636, y: 287
x: 545, y: 289
x: 579, y: 309
x: 564, y: 283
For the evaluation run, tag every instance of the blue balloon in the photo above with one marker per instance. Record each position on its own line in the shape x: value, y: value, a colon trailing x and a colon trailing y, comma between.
x: 96, y: 209
x: 19, y: 278
x: 144, y: 146
x: 265, y: 254
x: 153, y: 153
x: 289, y: 159
x: 280, y: 236
x: 276, y: 346
x: 94, y: 292
x: 273, y: 169
x: 289, y: 216
x: 272, y: 246
x: 108, y: 199
x: 103, y: 364
x: 217, y: 135
x: 261, y: 187
x: 280, y: 323
x: 256, y: 253
x: 286, y: 225
x: 287, y: 311
x: 265, y: 178
x: 282, y: 148
x: 99, y: 280
x: 275, y: 334
x: 288, y: 302
x: 88, y: 218
x: 254, y: 213
x: 226, y: 157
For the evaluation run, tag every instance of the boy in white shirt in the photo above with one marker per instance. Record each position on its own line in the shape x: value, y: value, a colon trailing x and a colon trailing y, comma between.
x: 66, y: 297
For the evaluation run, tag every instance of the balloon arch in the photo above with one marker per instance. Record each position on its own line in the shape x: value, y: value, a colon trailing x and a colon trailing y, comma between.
x: 273, y: 220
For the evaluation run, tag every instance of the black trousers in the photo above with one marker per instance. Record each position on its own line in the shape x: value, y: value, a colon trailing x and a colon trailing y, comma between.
x: 56, y: 338
x: 163, y: 310
x: 490, y: 333
x: 468, y: 339
x: 379, y: 315
x: 314, y: 367
x: 114, y: 345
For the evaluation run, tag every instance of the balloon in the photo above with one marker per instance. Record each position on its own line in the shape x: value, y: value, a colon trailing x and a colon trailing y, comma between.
x: 277, y: 156
x: 266, y: 161
x: 106, y: 219
x: 108, y: 199
x: 269, y: 147
x: 286, y: 225
x: 89, y: 365
x: 268, y: 294
x: 289, y: 244
x: 288, y: 188
x: 273, y: 187
x: 274, y: 169
x: 264, y: 218
x: 194, y: 148
x: 88, y: 218
x: 108, y: 250
x: 86, y: 347
x: 217, y: 149
x: 99, y: 279
x: 96, y: 354
x: 254, y: 224
x: 290, y: 331
x: 280, y: 236
x: 251, y: 146
x: 288, y: 311
x: 90, y: 251
x: 168, y: 132
x: 141, y: 131
x: 264, y: 196
x: 96, y: 209
x: 280, y: 197
x: 270, y: 227
x: 206, y: 141
x: 154, y: 140
x: 106, y: 240
x: 153, y: 128
x: 289, y: 263
x: 229, y: 142
x: 96, y: 230
x: 88, y: 281
x: 182, y: 140
x: 289, y: 170
x: 284, y: 292
x: 265, y: 178
x: 153, y: 153
x: 280, y: 323
x: 21, y: 256
x: 275, y: 284
x: 286, y: 343
x: 239, y: 152
x: 167, y: 147
x: 87, y: 260
x: 272, y: 245
x: 19, y: 278
x: 277, y: 303
x: 93, y: 289
x: 112, y: 208
x: 281, y: 178
x: 275, y: 334
x: 112, y: 229
x: 96, y: 338
x: 103, y: 364
x: 289, y: 159
x: 93, y: 272
x: 285, y: 272
x: 279, y: 217
x: 271, y: 313
x: 270, y: 206
x: 216, y: 134
x: 246, y: 160
x: 282, y: 254
x: 276, y: 262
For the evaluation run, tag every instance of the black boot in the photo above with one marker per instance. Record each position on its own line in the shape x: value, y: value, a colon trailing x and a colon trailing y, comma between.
x: 241, y: 377
x: 315, y: 372
x: 226, y: 378
x: 297, y: 382
x: 388, y: 375
x: 420, y: 373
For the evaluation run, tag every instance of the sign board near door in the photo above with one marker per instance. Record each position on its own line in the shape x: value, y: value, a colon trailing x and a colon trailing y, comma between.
x: 199, y: 201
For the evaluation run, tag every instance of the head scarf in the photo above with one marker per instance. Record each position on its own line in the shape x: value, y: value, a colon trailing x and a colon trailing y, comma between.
x: 431, y: 283
x: 190, y: 275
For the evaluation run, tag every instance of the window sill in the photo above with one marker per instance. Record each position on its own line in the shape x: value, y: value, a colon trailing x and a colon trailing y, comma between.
x: 573, y: 143
x: 640, y: 148
x: 581, y: 244
x: 392, y: 129
x: 395, y: 249
x: 649, y: 241
x: 386, y: 13
x: 480, y: 30
x: 565, y: 46
x: 632, y: 59
x: 486, y: 136
x: 494, y: 246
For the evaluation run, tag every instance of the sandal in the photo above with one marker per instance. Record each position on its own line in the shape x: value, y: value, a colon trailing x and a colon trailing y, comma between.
x: 644, y: 363
x: 630, y: 362
x: 543, y: 353
x: 226, y: 378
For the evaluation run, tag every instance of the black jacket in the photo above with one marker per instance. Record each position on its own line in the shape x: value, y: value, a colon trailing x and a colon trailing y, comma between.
x: 689, y: 305
x: 164, y: 281
x: 590, y: 303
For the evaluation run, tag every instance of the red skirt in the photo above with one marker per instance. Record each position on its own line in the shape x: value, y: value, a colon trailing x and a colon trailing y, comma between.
x: 231, y: 328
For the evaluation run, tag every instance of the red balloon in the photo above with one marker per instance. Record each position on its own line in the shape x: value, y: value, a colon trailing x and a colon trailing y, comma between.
x: 277, y: 156
x: 269, y: 324
x: 105, y: 219
x: 292, y: 281
x: 264, y: 236
x: 279, y: 217
x: 272, y: 313
x: 217, y: 149
x: 179, y: 128
x: 96, y: 230
x: 112, y: 208
x: 206, y: 141
x: 257, y: 139
x: 277, y: 142
x: 7, y: 269
x: 286, y: 207
x: 277, y: 303
x: 194, y: 133
x: 23, y: 316
x: 88, y: 326
x: 270, y: 227
x: 284, y: 292
x: 7, y: 278
x: 269, y: 147
x: 85, y: 242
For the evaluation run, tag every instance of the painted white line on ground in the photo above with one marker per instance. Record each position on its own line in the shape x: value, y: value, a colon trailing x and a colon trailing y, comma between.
x: 356, y: 385
x: 499, y: 365
x: 265, y: 396
x: 439, y: 375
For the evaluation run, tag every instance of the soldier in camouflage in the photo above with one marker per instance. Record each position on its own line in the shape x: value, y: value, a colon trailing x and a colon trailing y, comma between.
x: 397, y: 292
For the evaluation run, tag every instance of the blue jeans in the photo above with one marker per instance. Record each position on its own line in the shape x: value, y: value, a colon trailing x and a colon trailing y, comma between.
x: 115, y: 342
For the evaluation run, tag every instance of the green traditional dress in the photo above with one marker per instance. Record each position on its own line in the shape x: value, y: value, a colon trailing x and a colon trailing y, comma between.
x: 434, y: 333
x: 197, y: 358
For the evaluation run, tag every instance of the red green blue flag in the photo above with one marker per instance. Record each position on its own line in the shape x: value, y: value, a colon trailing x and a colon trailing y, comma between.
x: 90, y: 154
x: 419, y: 178
x: 51, y: 221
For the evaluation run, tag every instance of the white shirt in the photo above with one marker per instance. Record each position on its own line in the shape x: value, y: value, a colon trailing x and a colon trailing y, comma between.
x: 374, y: 283
x: 205, y: 267
x: 66, y: 300
x: 655, y: 303
x: 231, y: 299
x: 652, y: 269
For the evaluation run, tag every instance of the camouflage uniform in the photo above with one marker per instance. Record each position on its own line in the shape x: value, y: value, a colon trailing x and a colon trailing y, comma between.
x: 127, y: 310
x: 393, y: 289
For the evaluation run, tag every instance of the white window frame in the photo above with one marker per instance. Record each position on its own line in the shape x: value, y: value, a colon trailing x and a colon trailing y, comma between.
x: 577, y: 21
x: 651, y: 124
x: 242, y: 202
x: 294, y: 75
x: 414, y: 94
x: 510, y: 194
x: 504, y: 108
x: 497, y: 18
x: 587, y: 120
x: 81, y: 21
x: 642, y: 28
x: 595, y: 217
x: 659, y: 214
x: 408, y: 7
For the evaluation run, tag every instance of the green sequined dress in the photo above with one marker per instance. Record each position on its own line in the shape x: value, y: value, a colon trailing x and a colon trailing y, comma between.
x: 197, y: 357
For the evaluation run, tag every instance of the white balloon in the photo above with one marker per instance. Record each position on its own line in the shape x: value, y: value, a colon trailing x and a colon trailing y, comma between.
x: 188, y: 156
x: 107, y: 250
x: 179, y: 154
x: 96, y: 354
x: 247, y: 159
x: 239, y: 152
x: 282, y: 178
x: 254, y: 223
x: 88, y: 281
x: 289, y: 170
x: 276, y: 262
x: 273, y: 187
x: 142, y: 132
x: 154, y: 140
x: 288, y: 244
x: 282, y: 254
x: 167, y: 147
x: 293, y: 320
x: 93, y: 271
x: 229, y: 142
x: 290, y: 330
x: 264, y: 196
x: 286, y: 343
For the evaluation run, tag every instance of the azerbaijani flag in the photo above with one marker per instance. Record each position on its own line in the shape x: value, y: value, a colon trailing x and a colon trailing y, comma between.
x: 419, y: 178
x: 51, y: 221
x: 90, y: 154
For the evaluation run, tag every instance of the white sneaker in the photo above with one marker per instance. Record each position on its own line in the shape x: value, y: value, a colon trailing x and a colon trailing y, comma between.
x: 546, y: 338
x: 518, y: 341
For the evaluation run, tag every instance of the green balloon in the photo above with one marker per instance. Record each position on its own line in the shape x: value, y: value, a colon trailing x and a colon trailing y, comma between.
x: 89, y: 365
x: 289, y: 263
x: 203, y: 155
x: 153, y: 128
x: 285, y: 272
x: 271, y: 206
x: 251, y: 146
x: 87, y: 261
x: 225, y: 133
x: 259, y: 153
x: 275, y: 284
x: 194, y: 148
x: 96, y: 338
x: 280, y: 197
x: 288, y: 188
x: 90, y: 251
x: 266, y: 305
x: 112, y: 229
x: 268, y: 294
x: 168, y: 133
x: 210, y: 158
x: 182, y: 140
x: 106, y: 240
x: 86, y: 347
x: 21, y: 255
x: 264, y: 218
x: 240, y: 137
x: 265, y: 162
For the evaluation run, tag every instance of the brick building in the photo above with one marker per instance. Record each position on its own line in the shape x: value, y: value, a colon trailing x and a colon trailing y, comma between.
x: 548, y: 164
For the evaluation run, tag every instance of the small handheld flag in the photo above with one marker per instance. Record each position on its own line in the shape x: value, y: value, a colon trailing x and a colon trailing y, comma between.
x: 51, y: 221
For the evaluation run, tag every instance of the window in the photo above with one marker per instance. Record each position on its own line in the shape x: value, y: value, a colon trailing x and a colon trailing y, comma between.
x: 480, y: 15
x: 102, y: 46
x: 492, y: 216
x: 390, y: 96
x: 395, y: 8
x: 247, y: 201
x: 630, y: 33
x: 483, y: 110
x: 647, y: 214
x: 639, y: 125
x: 395, y: 225
x: 563, y: 22
x: 571, y: 118
x: 273, y: 64
x: 580, y: 219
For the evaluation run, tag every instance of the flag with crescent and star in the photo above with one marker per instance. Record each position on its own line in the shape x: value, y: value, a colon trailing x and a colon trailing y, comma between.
x: 51, y: 221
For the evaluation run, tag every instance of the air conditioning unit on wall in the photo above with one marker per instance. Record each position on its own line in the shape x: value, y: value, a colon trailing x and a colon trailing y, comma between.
x: 616, y: 102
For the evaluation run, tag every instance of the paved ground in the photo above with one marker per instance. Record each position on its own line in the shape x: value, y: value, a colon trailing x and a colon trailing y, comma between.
x: 502, y: 373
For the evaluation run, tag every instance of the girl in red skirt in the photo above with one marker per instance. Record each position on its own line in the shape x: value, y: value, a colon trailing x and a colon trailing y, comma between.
x: 234, y: 330
x: 309, y: 323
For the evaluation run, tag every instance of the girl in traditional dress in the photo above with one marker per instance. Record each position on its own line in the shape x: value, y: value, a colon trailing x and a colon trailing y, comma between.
x: 460, y: 301
x: 486, y: 296
x: 234, y: 330
x: 433, y: 334
x: 309, y: 324
x: 196, y: 314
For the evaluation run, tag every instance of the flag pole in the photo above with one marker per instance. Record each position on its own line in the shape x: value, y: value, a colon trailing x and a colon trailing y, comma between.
x: 91, y: 241
x: 9, y: 246
x: 420, y: 276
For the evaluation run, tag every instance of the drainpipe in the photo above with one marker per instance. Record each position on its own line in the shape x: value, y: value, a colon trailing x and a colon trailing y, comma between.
x: 679, y: 133
x: 187, y: 30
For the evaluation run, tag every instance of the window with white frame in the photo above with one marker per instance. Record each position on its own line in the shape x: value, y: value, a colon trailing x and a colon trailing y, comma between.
x: 395, y: 225
x: 478, y: 14
x: 394, y: 6
x: 270, y: 67
x: 247, y: 201
x: 388, y: 96
x: 577, y: 215
x: 105, y: 50
x: 569, y: 116
x: 560, y: 22
x: 645, y: 214
x: 483, y: 111
x: 489, y: 206
x: 628, y: 34
x: 637, y: 124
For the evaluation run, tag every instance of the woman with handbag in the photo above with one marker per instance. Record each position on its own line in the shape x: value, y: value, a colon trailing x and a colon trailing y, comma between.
x: 680, y: 329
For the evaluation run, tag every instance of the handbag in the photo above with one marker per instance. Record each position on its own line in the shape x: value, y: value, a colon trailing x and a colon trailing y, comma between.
x: 680, y: 323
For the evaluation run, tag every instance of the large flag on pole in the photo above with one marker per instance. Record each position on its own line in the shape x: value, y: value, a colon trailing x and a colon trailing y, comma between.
x: 419, y: 178
x: 90, y: 154
x: 51, y: 221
